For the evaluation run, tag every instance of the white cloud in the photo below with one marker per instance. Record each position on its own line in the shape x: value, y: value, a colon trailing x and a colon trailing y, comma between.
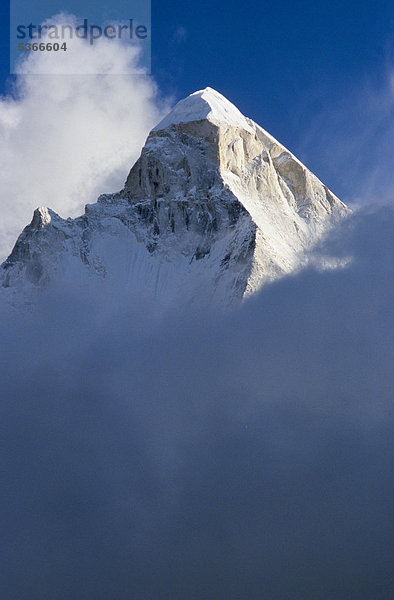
x: 64, y: 138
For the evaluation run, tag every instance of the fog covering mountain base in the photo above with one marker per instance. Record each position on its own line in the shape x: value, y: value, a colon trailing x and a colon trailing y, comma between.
x: 213, y: 209
x: 205, y: 457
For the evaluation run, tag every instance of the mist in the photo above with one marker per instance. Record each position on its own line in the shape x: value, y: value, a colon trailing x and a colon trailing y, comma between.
x: 203, y: 455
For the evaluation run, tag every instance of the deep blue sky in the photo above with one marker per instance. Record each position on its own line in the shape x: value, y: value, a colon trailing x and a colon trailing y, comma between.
x: 280, y: 63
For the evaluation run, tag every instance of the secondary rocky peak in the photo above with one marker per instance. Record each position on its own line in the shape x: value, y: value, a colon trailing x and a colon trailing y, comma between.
x: 208, y: 105
x: 42, y: 216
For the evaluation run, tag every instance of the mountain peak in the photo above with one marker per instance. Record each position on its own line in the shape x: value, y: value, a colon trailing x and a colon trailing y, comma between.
x: 207, y: 104
x: 211, y: 211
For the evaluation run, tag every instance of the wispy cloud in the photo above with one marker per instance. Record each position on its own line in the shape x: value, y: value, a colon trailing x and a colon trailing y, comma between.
x: 351, y: 141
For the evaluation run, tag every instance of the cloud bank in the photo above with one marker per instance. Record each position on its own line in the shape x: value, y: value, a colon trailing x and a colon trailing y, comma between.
x: 203, y: 456
x: 64, y: 138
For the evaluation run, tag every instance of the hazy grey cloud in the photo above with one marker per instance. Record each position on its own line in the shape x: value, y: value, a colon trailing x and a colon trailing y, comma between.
x: 206, y: 456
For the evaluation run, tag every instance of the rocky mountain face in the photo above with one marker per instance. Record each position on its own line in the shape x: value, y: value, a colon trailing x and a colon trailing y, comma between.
x: 213, y: 209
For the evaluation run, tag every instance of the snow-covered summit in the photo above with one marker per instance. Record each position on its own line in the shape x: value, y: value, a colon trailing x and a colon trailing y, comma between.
x: 212, y: 210
x: 207, y: 105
